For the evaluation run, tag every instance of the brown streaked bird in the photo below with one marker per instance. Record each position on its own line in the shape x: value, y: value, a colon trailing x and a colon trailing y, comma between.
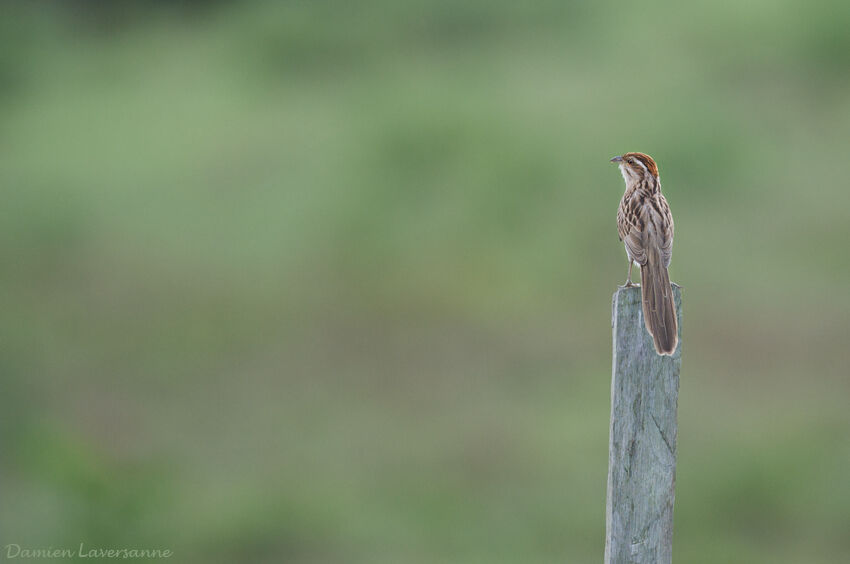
x: 645, y: 225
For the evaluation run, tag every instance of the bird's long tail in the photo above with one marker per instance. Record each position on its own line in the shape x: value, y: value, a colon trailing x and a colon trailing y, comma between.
x: 659, y: 310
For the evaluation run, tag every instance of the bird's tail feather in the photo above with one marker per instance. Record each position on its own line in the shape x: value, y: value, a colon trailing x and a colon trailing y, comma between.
x: 659, y: 310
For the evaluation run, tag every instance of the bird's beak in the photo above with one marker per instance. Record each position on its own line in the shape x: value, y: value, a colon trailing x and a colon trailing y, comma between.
x: 617, y: 159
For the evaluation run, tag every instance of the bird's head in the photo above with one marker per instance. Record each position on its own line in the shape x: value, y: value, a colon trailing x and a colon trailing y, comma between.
x: 636, y: 167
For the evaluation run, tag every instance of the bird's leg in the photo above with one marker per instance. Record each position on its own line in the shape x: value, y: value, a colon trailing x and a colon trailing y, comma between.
x: 628, y: 283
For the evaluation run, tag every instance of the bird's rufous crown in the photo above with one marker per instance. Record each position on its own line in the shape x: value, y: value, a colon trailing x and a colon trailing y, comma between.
x: 630, y: 158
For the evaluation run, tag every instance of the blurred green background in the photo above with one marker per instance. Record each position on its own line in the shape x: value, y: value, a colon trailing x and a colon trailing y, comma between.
x: 330, y: 282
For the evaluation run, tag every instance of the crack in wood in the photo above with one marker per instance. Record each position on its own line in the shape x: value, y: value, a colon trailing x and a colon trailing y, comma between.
x: 663, y: 436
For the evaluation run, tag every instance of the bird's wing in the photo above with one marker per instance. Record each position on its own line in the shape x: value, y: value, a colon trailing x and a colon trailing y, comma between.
x: 666, y: 231
x: 630, y: 225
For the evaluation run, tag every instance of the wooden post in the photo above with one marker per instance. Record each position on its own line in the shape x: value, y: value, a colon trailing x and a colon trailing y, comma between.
x: 642, y: 441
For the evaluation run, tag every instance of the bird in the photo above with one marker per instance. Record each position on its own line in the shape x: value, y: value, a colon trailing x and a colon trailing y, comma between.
x: 645, y: 226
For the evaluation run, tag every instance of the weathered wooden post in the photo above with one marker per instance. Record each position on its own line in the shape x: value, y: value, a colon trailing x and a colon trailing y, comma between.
x: 642, y: 441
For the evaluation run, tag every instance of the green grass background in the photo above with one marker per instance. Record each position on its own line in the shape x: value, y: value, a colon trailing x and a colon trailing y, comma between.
x: 330, y: 282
